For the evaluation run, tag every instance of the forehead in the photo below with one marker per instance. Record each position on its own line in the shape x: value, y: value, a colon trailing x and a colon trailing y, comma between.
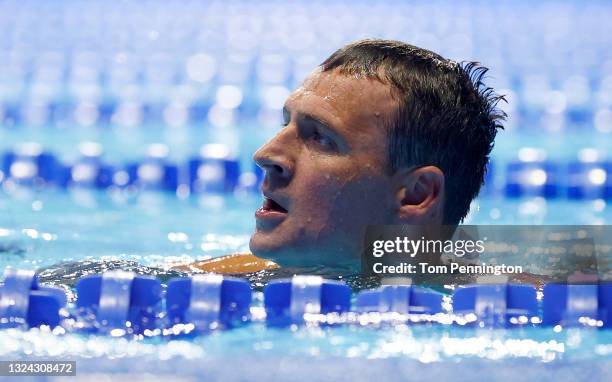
x: 345, y: 102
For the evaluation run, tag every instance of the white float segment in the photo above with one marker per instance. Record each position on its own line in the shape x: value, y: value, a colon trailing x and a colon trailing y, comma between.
x: 205, y: 299
x: 490, y: 305
x: 15, y: 295
x: 115, y: 293
x: 305, y: 296
x: 395, y: 298
x: 582, y: 301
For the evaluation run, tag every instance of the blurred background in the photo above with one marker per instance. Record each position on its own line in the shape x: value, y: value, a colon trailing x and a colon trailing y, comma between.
x: 125, y: 97
x: 127, y: 74
x: 126, y: 135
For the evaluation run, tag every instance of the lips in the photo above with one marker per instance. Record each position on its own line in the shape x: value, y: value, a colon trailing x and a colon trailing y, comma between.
x: 271, y: 209
x: 271, y: 205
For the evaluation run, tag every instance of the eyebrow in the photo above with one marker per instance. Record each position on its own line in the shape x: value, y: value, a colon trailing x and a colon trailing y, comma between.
x: 321, y: 123
x: 314, y: 119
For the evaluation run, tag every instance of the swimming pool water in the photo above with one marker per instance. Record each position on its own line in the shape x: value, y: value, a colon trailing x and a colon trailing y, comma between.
x: 38, y: 230
x: 355, y: 353
x: 130, y: 74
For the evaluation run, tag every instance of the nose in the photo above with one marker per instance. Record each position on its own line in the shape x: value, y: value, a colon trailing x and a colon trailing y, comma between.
x: 275, y: 159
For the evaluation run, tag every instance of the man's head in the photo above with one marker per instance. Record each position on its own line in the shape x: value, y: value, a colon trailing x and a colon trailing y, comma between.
x: 381, y: 133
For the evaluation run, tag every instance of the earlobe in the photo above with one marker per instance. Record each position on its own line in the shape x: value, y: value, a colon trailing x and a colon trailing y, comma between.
x: 420, y: 195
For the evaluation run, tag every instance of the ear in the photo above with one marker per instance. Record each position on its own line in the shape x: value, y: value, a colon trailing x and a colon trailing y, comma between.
x: 419, y: 196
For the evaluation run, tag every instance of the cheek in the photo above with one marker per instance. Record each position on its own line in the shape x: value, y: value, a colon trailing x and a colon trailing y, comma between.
x: 344, y: 202
x: 363, y: 201
x: 318, y: 199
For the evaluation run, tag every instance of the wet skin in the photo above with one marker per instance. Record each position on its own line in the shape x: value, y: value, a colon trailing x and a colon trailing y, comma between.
x: 326, y: 179
x: 326, y: 175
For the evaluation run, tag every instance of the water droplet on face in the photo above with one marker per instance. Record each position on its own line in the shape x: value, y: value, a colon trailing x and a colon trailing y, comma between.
x: 327, y: 176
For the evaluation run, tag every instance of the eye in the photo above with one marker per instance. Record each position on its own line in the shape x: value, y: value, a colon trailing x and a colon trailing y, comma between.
x: 286, y: 117
x: 322, y: 140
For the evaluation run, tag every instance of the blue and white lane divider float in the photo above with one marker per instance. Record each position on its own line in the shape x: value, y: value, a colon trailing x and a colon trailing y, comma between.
x: 155, y: 172
x: 24, y: 303
x: 214, y: 170
x: 290, y: 301
x: 118, y: 302
x: 571, y: 305
x: 29, y: 165
x: 403, y: 299
x: 89, y: 171
x: 589, y: 180
x: 526, y: 178
x: 497, y: 305
x: 208, y: 301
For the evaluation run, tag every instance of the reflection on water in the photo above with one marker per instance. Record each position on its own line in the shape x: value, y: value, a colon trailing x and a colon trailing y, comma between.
x: 66, y: 274
x: 66, y: 241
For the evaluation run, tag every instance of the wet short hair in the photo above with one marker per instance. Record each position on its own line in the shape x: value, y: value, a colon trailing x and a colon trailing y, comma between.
x: 446, y: 116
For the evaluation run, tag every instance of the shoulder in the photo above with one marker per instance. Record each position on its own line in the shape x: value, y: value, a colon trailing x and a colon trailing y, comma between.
x: 230, y: 264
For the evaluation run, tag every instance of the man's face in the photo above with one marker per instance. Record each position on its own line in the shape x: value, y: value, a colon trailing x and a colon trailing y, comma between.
x: 325, y: 172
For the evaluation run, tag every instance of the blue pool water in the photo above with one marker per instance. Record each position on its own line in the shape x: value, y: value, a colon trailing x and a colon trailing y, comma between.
x: 130, y: 74
x: 39, y: 230
x: 156, y: 228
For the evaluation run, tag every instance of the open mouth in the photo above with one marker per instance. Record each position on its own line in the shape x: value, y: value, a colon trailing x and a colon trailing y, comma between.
x: 271, y: 210
x: 272, y: 206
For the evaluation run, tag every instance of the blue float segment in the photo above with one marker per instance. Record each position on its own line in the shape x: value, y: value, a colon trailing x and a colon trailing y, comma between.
x: 286, y: 301
x: 23, y: 301
x: 568, y: 304
x: 119, y: 300
x: 208, y: 299
x: 402, y: 299
x: 604, y: 302
x: 29, y: 165
x: 215, y: 170
x: 532, y: 179
x: 496, y: 305
x: 590, y: 180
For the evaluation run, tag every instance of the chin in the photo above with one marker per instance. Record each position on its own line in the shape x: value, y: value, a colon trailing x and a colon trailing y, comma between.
x: 281, y: 252
x: 264, y: 246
